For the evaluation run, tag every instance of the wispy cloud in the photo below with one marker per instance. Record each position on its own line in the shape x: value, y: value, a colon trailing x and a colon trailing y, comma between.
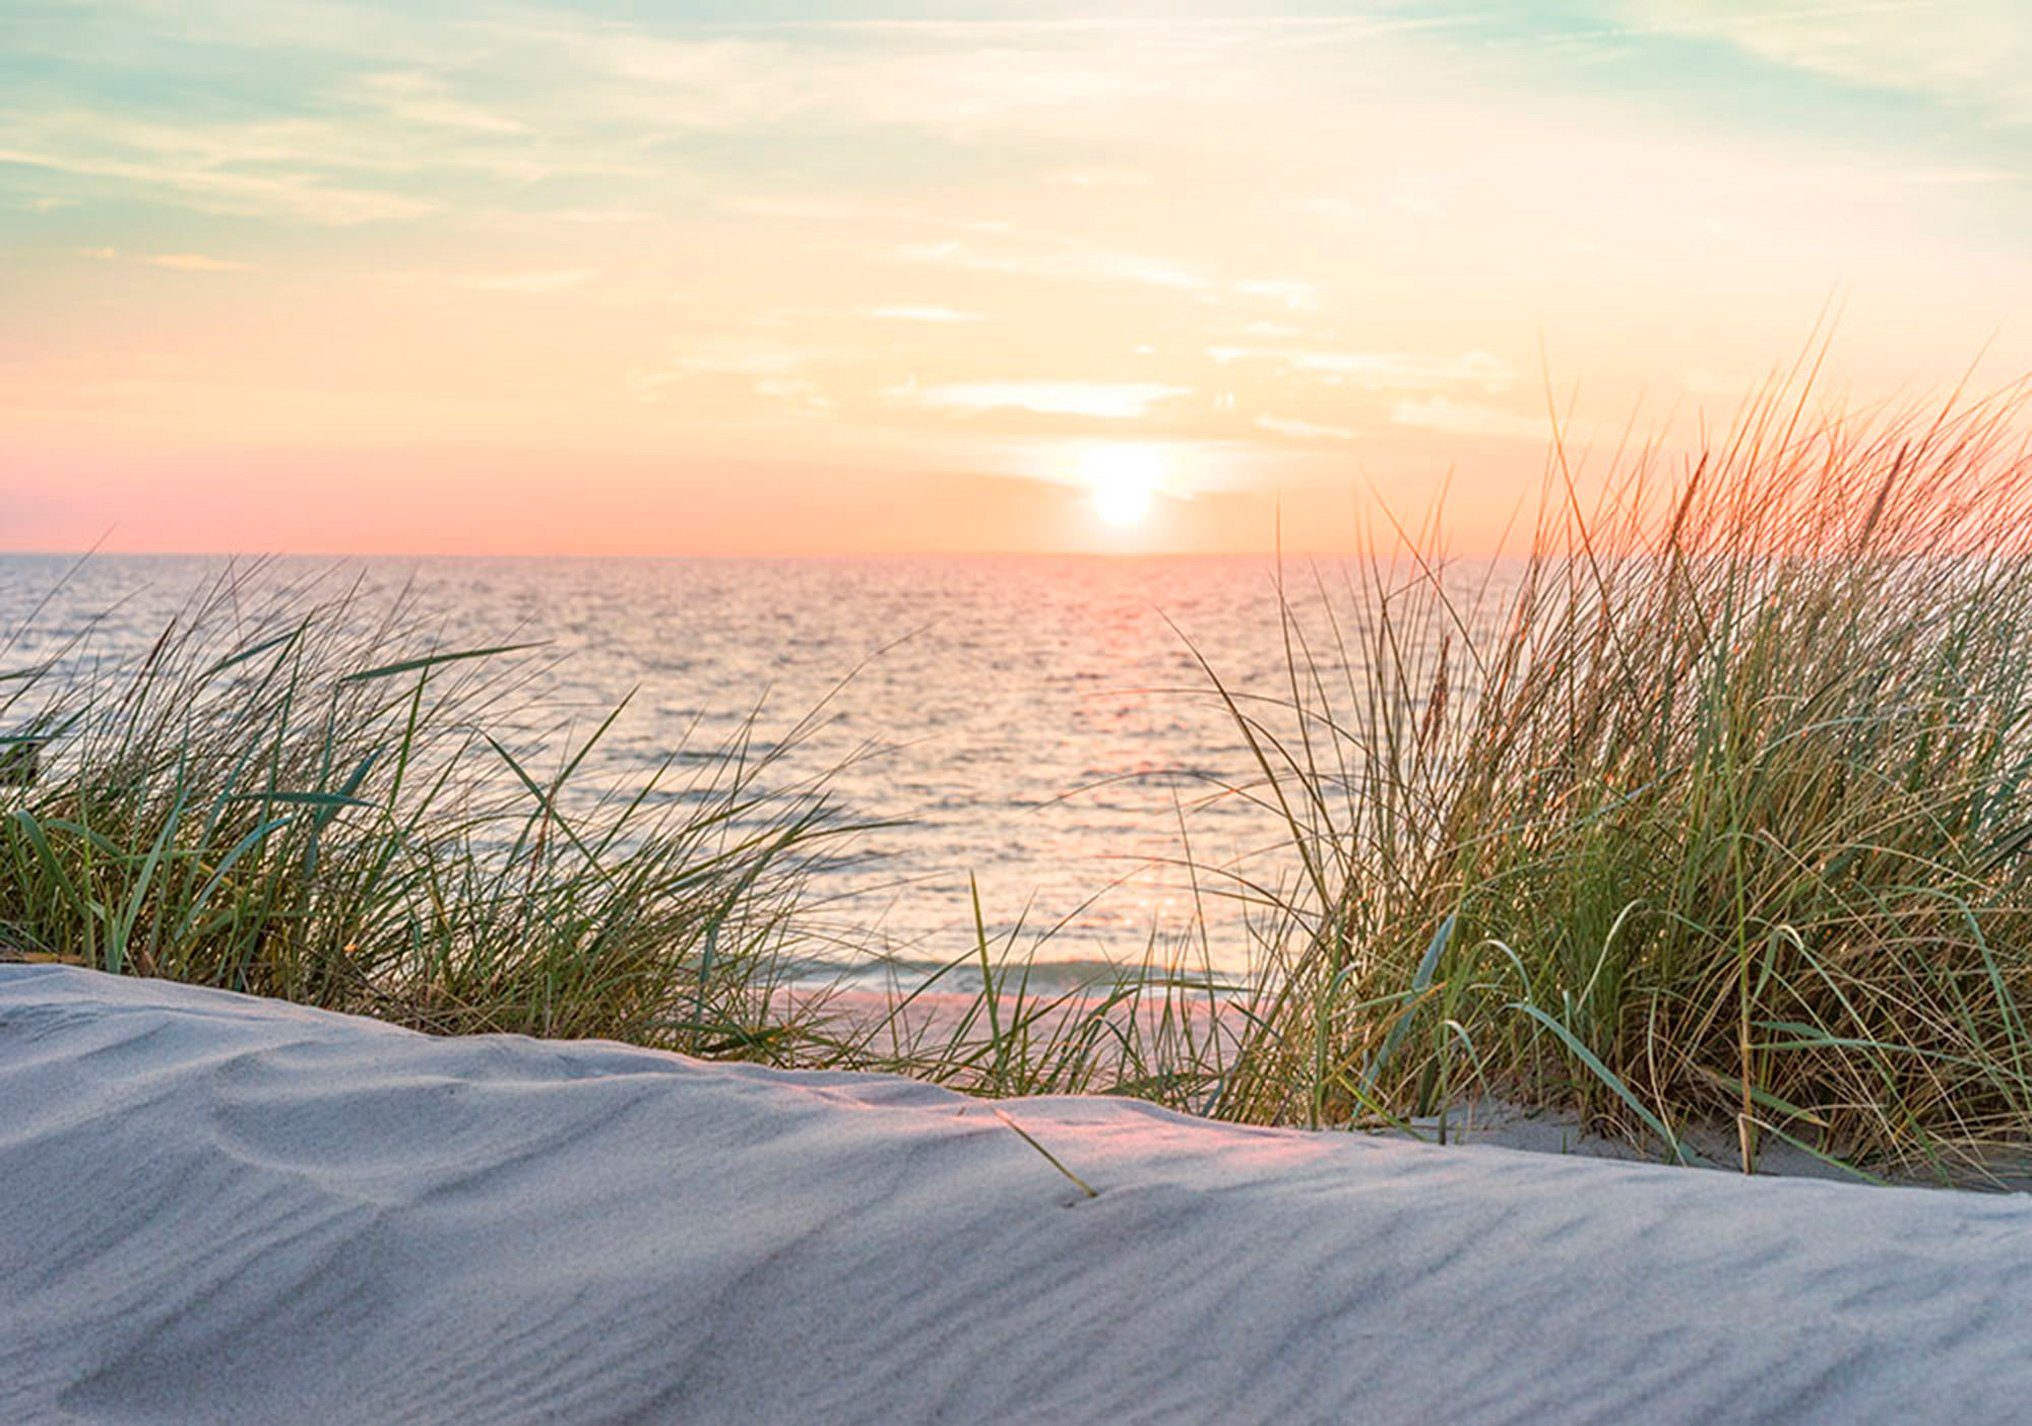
x: 1298, y: 296
x: 1064, y: 260
x: 212, y: 184
x: 195, y: 262
x: 1407, y: 371
x: 1109, y: 400
x: 775, y: 369
x: 1303, y: 430
x: 1458, y: 418
x: 1974, y: 54
x: 179, y: 262
x: 922, y: 314
x: 801, y: 395
x: 1375, y: 371
x: 426, y: 99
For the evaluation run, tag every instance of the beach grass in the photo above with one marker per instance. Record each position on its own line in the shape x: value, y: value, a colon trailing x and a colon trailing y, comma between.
x: 314, y: 799
x: 1714, y: 807
x: 1719, y: 810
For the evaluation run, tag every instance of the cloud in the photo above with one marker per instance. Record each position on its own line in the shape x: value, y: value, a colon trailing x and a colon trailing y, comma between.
x: 426, y: 100
x: 1975, y: 55
x: 214, y: 183
x: 1376, y: 371
x: 1407, y: 371
x: 961, y: 78
x: 1298, y: 296
x: 1437, y: 413
x: 179, y: 262
x: 922, y: 314
x: 1304, y: 430
x: 774, y: 366
x: 1073, y: 261
x: 195, y: 262
x: 1115, y: 401
x: 801, y: 394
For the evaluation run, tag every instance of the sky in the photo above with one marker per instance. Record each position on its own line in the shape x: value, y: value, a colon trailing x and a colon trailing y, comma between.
x: 774, y: 276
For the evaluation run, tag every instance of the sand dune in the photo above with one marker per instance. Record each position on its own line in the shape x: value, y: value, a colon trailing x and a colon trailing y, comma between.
x: 214, y: 1208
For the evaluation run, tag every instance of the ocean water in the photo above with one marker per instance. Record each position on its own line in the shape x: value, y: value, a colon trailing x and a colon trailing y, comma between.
x: 1041, y: 724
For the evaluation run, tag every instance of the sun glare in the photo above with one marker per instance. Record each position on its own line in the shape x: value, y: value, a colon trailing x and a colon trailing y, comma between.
x: 1122, y: 500
x: 1123, y: 479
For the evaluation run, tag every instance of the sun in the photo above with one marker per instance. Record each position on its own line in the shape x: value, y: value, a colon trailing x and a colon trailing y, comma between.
x: 1123, y: 501
x: 1124, y: 480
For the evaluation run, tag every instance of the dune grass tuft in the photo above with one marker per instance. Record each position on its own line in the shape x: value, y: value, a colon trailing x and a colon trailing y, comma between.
x: 1716, y: 807
x: 317, y: 801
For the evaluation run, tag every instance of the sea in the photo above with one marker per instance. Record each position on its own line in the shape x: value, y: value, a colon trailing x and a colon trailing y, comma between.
x: 1044, y: 730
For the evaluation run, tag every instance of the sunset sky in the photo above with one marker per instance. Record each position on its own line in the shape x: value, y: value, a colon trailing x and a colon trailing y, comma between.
x: 764, y: 276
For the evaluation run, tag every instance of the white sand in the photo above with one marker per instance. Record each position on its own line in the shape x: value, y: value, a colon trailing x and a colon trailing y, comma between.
x: 214, y: 1208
